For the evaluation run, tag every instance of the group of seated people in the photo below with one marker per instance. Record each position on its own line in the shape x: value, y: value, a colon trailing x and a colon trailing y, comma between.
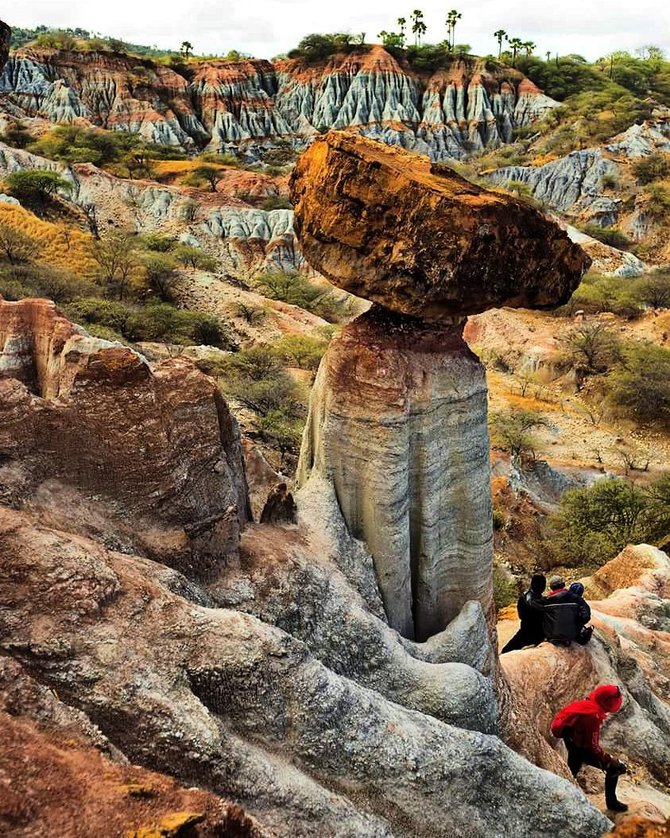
x: 560, y: 617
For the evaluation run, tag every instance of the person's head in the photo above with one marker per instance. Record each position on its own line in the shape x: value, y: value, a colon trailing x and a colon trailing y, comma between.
x: 608, y: 697
x: 577, y: 588
x: 556, y: 583
x: 538, y: 583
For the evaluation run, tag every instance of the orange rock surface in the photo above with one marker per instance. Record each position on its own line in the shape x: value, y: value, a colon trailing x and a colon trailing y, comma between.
x: 418, y: 239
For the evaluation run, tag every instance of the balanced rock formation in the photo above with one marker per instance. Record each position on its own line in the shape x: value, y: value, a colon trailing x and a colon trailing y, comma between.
x: 421, y: 240
x: 398, y: 413
x: 94, y: 416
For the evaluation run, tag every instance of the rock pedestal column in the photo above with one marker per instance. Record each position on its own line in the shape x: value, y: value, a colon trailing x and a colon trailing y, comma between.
x: 398, y: 424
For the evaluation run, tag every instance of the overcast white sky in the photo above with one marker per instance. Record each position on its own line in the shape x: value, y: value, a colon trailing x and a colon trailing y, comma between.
x: 268, y: 27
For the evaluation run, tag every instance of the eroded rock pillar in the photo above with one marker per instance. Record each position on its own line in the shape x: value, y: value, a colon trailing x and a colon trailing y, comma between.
x: 398, y: 424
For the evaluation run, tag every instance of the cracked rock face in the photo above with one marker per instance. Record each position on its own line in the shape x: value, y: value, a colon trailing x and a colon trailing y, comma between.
x: 387, y: 226
x: 397, y: 422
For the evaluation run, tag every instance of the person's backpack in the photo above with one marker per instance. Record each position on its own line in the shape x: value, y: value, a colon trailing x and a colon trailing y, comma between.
x: 560, y: 623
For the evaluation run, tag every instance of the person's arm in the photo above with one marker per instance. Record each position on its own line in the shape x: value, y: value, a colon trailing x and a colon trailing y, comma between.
x: 534, y: 601
x: 584, y: 611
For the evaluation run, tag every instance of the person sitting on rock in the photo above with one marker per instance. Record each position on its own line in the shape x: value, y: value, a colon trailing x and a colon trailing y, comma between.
x: 565, y: 614
x: 579, y: 724
x: 584, y: 631
x: 529, y: 607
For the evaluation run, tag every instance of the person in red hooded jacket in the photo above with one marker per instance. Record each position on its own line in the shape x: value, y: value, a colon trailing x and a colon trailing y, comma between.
x: 579, y: 726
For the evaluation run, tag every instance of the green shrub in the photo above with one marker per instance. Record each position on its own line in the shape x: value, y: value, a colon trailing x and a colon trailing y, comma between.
x: 161, y: 275
x: 658, y: 203
x: 593, y: 525
x: 598, y: 293
x: 651, y: 168
x: 607, y: 235
x: 295, y: 289
x: 513, y: 432
x: 591, y: 348
x: 303, y: 351
x: 109, y: 313
x: 36, y: 184
x: 640, y: 388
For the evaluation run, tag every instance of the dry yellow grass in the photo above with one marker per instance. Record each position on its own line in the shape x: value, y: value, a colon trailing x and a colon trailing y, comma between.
x: 61, y: 246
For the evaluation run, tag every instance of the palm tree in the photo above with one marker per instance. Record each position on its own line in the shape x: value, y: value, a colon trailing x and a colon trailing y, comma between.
x: 529, y: 46
x: 186, y: 48
x: 418, y: 26
x: 548, y: 54
x: 500, y: 34
x: 402, y: 23
x: 516, y: 44
x: 452, y: 18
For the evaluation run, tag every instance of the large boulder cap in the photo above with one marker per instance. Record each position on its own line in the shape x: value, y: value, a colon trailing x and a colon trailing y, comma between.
x: 418, y: 239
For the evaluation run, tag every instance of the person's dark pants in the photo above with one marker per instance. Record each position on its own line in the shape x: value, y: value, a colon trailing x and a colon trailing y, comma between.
x: 582, y: 756
x: 523, y: 637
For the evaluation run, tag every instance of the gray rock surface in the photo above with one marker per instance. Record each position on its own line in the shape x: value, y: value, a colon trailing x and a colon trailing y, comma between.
x: 571, y: 184
x: 397, y: 422
x: 221, y: 699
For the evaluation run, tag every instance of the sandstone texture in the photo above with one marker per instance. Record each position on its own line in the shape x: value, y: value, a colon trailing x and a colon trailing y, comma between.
x: 397, y: 422
x: 221, y: 699
x: 248, y: 104
x: 159, y: 445
x: 385, y: 225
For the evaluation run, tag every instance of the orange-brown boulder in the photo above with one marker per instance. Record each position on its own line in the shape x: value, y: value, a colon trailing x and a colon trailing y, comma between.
x: 419, y: 239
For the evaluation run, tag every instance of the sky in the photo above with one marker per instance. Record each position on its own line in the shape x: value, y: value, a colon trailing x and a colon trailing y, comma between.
x: 265, y: 28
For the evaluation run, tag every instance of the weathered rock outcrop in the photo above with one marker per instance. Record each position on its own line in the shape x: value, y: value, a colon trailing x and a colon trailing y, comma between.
x: 246, y: 104
x: 385, y: 225
x: 220, y: 699
x: 95, y: 416
x: 397, y: 419
x: 244, y: 240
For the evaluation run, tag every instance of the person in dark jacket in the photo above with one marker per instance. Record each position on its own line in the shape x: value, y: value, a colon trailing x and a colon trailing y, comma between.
x: 584, y: 631
x: 529, y: 607
x: 565, y: 614
x: 579, y: 726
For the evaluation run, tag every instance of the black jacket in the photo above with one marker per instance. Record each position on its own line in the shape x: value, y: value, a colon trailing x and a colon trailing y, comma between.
x: 530, y: 610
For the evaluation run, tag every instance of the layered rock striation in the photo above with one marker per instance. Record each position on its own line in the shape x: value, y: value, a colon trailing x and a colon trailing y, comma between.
x: 96, y: 417
x: 398, y: 422
x: 398, y: 413
x: 459, y: 109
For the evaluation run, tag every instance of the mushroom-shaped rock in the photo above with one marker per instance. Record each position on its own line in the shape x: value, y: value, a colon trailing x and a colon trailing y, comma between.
x: 388, y: 226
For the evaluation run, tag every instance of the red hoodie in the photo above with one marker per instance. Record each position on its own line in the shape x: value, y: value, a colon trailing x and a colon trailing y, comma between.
x: 582, y: 720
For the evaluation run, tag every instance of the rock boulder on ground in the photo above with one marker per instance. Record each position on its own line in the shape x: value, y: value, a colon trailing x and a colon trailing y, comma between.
x: 157, y: 444
x: 418, y: 239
